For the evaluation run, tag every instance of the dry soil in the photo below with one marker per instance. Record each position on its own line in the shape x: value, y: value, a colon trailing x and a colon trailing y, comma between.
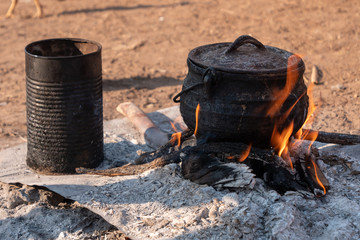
x: 146, y: 43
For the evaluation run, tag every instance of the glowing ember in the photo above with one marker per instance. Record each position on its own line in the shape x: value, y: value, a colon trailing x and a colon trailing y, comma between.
x: 197, y: 119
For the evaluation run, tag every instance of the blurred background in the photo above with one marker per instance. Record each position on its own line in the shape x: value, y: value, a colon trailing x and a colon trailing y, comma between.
x: 146, y: 43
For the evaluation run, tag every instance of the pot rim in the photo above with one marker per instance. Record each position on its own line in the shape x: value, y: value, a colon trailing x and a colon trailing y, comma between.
x: 75, y: 40
x: 300, y: 64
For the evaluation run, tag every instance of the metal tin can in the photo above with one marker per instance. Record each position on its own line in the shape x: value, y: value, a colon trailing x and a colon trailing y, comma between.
x: 64, y: 107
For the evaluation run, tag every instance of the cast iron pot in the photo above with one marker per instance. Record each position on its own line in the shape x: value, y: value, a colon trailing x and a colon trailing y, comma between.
x: 234, y: 83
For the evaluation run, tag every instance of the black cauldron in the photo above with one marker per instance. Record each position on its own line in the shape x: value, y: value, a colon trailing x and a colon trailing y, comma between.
x: 234, y: 83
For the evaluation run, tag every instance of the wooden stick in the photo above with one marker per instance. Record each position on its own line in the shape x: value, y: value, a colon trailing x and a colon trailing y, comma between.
x: 316, y: 75
x: 337, y: 138
x: 153, y: 136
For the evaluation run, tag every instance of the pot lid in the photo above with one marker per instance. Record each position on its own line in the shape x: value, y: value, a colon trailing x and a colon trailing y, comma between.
x: 245, y: 54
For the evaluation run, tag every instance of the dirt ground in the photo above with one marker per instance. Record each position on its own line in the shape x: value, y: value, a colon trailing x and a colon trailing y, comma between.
x: 146, y: 43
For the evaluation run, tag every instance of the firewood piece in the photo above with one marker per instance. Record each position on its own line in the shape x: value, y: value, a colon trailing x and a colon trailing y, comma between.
x: 202, y: 168
x: 281, y: 180
x: 153, y: 136
x: 337, y: 138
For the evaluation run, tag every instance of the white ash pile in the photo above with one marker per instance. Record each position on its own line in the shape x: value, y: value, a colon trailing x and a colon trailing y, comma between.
x: 34, y: 212
x: 161, y: 204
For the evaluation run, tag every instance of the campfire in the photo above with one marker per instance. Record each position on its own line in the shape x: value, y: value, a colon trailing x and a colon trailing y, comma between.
x: 287, y: 165
x: 242, y: 121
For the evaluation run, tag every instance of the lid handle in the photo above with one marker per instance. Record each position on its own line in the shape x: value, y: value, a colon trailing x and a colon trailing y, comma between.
x: 243, y: 40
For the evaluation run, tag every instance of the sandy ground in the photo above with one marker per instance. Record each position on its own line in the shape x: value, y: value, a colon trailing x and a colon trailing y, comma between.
x: 145, y: 46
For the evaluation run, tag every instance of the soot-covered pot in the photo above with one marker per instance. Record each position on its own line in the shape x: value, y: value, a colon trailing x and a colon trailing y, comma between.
x: 236, y: 84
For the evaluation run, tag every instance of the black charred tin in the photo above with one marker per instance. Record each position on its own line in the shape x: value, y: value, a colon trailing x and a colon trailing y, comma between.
x: 64, y: 105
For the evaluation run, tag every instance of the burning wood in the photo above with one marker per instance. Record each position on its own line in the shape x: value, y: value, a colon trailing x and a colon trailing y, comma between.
x: 217, y: 165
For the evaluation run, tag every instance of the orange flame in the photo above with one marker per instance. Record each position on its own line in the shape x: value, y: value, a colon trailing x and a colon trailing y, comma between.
x: 173, y: 126
x: 317, y: 177
x: 280, y: 137
x: 280, y: 140
x: 175, y: 136
x: 245, y: 153
x: 197, y: 119
x: 307, y: 135
x: 282, y: 94
x: 243, y: 156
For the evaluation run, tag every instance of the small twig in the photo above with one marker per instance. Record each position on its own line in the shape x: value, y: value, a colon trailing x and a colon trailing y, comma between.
x: 337, y: 138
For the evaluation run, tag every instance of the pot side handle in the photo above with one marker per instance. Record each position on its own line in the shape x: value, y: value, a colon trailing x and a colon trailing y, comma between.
x: 243, y: 40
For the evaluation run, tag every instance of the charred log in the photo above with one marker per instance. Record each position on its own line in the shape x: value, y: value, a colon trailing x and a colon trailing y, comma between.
x: 207, y: 169
x: 201, y: 166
